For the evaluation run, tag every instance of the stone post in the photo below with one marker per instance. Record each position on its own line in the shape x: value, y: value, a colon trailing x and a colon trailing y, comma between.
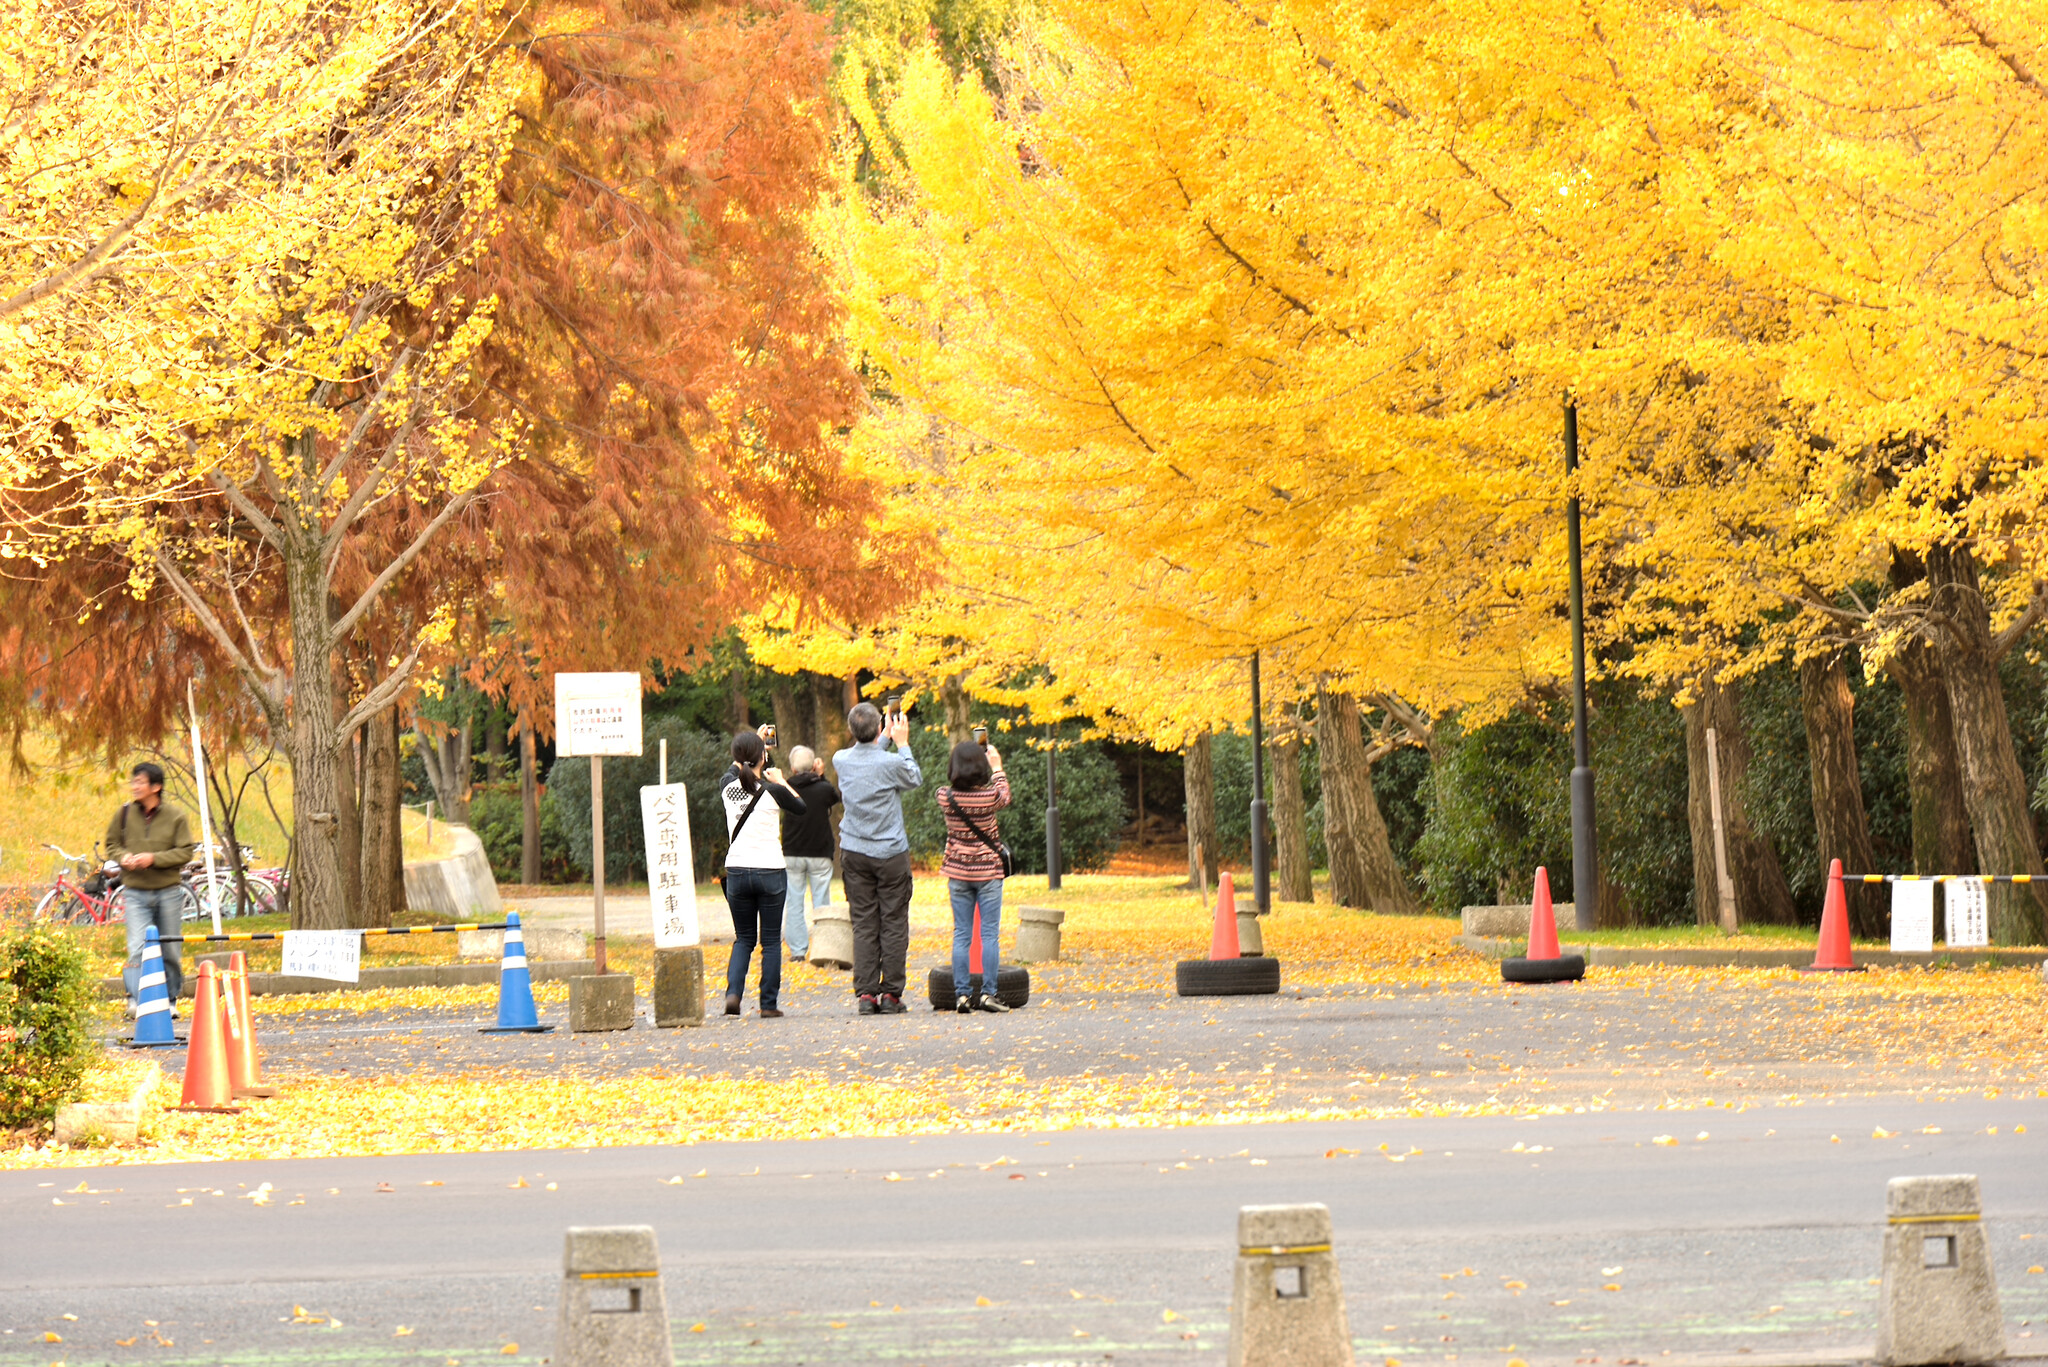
x: 613, y: 1311
x: 1939, y: 1301
x: 1287, y: 1307
x: 679, y: 986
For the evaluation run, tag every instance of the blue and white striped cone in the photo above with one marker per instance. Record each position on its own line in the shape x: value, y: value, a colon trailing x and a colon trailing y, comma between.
x: 153, y: 1028
x: 515, y: 988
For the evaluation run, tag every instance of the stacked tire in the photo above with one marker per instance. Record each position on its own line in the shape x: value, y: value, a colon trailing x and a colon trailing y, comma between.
x: 1243, y: 977
x: 1013, y: 986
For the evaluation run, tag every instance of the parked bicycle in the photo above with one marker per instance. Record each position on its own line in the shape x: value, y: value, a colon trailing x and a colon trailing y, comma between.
x: 91, y: 900
x: 264, y: 888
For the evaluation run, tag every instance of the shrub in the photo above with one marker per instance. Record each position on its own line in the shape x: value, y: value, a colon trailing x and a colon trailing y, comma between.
x: 1092, y: 809
x: 495, y: 816
x: 695, y: 759
x: 45, y: 1022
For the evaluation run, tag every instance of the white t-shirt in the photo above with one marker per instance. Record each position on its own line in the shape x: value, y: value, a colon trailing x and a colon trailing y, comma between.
x: 759, y: 845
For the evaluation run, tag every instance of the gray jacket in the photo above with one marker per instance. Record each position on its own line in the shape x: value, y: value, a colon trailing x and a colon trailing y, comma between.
x: 870, y: 779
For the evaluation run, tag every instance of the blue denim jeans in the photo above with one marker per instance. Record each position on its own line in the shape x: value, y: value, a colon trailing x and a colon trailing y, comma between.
x: 755, y: 897
x: 965, y: 895
x: 808, y: 874
x: 162, y: 908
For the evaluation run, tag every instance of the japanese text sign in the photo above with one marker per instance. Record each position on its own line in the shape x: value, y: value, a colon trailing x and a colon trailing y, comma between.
x: 597, y: 714
x: 671, y: 880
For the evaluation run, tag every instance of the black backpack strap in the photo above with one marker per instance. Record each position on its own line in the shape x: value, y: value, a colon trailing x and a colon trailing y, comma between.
x: 979, y: 834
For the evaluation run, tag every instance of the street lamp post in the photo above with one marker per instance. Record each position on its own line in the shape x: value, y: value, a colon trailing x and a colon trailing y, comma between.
x: 1052, y: 812
x: 1585, y: 839
x: 1262, y: 882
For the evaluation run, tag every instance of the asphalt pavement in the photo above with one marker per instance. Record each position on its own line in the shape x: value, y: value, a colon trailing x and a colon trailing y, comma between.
x: 1623, y: 1237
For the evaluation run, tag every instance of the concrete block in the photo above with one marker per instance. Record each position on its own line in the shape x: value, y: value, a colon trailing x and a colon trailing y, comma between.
x: 543, y: 943
x: 600, y: 1003
x: 1249, y: 941
x: 613, y: 1311
x: 1939, y: 1299
x: 461, y: 886
x: 1287, y: 1305
x: 114, y: 1122
x: 831, y: 937
x: 679, y: 986
x: 1512, y: 922
x: 1038, y: 935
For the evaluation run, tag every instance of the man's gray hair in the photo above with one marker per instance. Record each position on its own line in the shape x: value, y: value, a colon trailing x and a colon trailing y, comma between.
x: 865, y: 721
x: 801, y: 758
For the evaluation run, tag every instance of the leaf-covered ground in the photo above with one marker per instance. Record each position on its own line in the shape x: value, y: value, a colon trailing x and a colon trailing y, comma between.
x: 1377, y: 1016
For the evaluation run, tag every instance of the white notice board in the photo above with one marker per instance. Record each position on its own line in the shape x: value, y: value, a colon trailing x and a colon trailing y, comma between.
x: 671, y: 880
x: 333, y: 954
x: 597, y: 714
x: 1969, y: 920
x: 1912, y: 917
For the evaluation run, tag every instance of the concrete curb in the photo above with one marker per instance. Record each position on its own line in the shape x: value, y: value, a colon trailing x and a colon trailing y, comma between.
x: 397, y: 975
x: 1617, y: 956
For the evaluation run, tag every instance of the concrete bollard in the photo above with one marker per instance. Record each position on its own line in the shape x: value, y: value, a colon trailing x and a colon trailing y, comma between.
x: 1287, y: 1307
x: 600, y: 1003
x: 831, y: 937
x: 1250, y: 945
x: 679, y: 986
x: 613, y: 1310
x: 1038, y: 935
x: 1939, y: 1301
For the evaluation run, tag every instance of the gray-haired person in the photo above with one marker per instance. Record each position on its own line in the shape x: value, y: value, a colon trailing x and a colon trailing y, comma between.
x: 807, y: 848
x: 874, y: 854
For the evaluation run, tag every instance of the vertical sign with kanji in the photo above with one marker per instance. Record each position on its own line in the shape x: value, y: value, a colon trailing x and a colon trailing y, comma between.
x: 671, y: 883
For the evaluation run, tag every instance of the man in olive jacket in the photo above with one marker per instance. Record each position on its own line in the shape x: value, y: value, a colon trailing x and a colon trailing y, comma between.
x: 152, y: 842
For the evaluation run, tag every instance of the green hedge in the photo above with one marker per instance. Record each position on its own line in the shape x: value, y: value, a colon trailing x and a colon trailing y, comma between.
x: 1092, y: 808
x: 46, y: 1038
x: 695, y: 759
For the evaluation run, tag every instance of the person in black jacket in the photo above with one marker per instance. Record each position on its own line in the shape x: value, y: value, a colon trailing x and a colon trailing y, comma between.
x: 807, y: 848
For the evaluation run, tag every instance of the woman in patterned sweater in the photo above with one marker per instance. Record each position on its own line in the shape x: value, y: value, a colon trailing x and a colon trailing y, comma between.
x: 977, y: 789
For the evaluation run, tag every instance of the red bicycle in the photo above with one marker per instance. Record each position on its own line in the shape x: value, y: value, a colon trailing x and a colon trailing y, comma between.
x: 92, y: 901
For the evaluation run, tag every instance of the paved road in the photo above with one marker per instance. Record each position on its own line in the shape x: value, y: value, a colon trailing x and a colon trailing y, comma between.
x: 1761, y: 1238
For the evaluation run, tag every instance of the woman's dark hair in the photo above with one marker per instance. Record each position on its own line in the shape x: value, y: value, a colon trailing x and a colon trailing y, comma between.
x: 747, y: 751
x: 968, y: 768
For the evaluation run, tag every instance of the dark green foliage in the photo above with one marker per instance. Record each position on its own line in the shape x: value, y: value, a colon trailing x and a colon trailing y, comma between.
x: 1400, y: 784
x: 46, y: 1004
x: 1780, y: 789
x: 495, y: 817
x: 1640, y: 785
x: 1500, y: 806
x: 1881, y: 763
x: 1092, y: 805
x: 695, y: 759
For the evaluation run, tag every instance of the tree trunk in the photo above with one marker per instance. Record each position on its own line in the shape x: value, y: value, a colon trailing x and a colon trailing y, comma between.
x: 1198, y: 777
x: 832, y: 735
x: 380, y: 799
x: 737, y: 716
x: 1934, y: 778
x: 348, y: 810
x: 789, y: 732
x: 1838, y: 817
x: 529, y: 805
x: 448, y: 758
x: 494, y: 747
x: 1290, y: 819
x: 317, y: 893
x: 1994, y: 789
x: 1761, y: 895
x: 1373, y: 876
x: 959, y: 713
x: 394, y: 835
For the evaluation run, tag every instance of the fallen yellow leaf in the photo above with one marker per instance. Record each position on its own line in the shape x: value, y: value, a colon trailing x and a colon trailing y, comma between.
x: 509, y: 1349
x: 983, y: 1300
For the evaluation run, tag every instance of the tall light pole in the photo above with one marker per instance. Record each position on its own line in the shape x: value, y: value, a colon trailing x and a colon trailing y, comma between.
x: 1585, y: 839
x: 1262, y: 882
x: 1052, y: 811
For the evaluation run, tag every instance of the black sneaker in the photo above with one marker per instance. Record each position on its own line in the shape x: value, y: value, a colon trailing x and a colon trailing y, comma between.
x: 993, y: 1005
x: 890, y: 1004
x: 964, y: 1005
x: 868, y: 1007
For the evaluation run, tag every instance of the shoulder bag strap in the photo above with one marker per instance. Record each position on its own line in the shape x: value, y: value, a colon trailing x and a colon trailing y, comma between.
x: 740, y: 825
x: 980, y: 834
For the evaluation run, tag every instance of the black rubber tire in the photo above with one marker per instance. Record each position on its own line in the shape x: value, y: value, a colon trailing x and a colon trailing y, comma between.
x: 1227, y: 977
x: 1013, y: 986
x: 1568, y: 968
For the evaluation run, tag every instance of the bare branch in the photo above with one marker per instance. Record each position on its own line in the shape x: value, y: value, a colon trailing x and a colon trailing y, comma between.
x: 340, y: 630
x: 380, y: 697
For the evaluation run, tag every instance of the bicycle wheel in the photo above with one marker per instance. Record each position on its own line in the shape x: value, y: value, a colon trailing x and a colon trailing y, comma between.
x: 188, y: 905
x: 264, y: 898
x: 64, y: 906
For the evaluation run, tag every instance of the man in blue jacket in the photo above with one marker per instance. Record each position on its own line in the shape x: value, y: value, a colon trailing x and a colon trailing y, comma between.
x: 874, y: 854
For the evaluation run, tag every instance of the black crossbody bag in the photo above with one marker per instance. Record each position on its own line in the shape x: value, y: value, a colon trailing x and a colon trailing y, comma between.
x: 741, y: 825
x: 1007, y: 861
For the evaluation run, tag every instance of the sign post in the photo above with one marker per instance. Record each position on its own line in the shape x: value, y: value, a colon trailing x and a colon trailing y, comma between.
x: 597, y: 715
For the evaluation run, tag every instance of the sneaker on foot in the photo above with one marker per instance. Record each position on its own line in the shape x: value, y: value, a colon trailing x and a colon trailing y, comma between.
x: 890, y: 1004
x: 964, y: 1005
x: 992, y: 1005
x: 868, y: 1006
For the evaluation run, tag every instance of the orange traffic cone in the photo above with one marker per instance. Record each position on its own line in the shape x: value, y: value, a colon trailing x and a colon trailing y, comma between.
x: 207, y: 1087
x: 1542, y: 921
x: 1223, y: 939
x: 1831, y: 955
x: 244, y: 1074
x: 974, y: 945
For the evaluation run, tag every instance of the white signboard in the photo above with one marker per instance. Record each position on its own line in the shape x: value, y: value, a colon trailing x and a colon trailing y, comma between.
x: 671, y: 880
x: 335, y: 954
x: 1969, y: 920
x: 1912, y: 917
x: 597, y: 714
